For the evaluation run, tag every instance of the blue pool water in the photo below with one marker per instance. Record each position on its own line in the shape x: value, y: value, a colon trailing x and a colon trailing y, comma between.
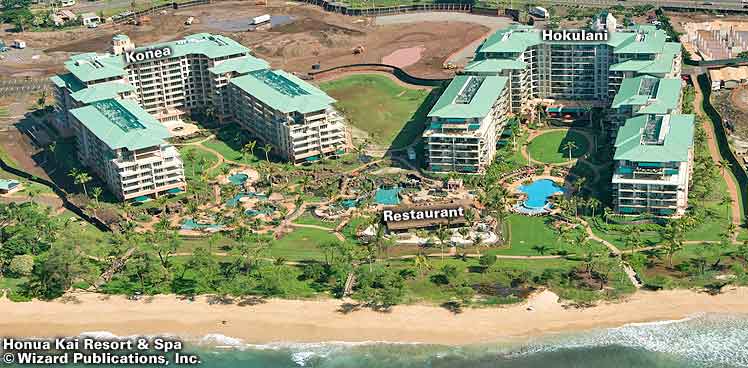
x: 387, y: 196
x: 538, y: 192
x: 232, y: 202
x: 191, y: 224
x: 238, y: 179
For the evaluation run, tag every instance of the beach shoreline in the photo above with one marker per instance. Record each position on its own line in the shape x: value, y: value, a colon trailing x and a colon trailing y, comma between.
x: 305, y: 321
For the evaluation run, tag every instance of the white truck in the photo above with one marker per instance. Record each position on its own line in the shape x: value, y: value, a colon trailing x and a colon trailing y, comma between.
x: 539, y: 12
x: 19, y: 44
x: 256, y: 21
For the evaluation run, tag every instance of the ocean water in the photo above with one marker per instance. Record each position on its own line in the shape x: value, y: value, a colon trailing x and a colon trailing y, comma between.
x: 714, y: 341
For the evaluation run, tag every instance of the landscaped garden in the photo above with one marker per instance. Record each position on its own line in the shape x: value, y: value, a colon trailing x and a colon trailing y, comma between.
x: 554, y: 146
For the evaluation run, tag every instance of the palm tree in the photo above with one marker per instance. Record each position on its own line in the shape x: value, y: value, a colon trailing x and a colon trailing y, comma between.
x: 726, y: 201
x: 96, y: 194
x: 607, y: 212
x: 248, y: 149
x: 672, y: 236
x: 422, y: 264
x: 593, y: 203
x: 267, y: 148
x: 442, y: 235
x: 570, y: 146
x: 541, y: 249
x: 723, y: 164
x: 189, y: 156
x: 80, y: 177
x: 477, y: 242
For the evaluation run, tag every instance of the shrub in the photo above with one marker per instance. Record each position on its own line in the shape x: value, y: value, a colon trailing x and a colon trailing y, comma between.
x: 22, y: 265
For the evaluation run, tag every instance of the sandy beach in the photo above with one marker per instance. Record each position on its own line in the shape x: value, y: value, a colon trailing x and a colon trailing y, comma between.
x: 321, y: 321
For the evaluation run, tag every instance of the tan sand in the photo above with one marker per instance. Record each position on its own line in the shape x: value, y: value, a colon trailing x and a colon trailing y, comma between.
x: 319, y: 321
x: 404, y: 57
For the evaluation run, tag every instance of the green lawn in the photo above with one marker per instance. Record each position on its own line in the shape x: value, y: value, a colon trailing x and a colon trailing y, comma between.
x: 196, y: 165
x: 550, y: 147
x: 391, y: 114
x: 232, y: 154
x: 301, y: 244
x: 529, y: 232
x: 309, y: 219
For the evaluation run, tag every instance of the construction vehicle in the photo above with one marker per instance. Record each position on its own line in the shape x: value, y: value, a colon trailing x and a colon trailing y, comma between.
x: 358, y: 50
x: 142, y: 20
x: 449, y: 65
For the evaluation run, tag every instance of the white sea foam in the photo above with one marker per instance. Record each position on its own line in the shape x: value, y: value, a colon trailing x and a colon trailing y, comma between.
x: 705, y: 338
x: 219, y: 340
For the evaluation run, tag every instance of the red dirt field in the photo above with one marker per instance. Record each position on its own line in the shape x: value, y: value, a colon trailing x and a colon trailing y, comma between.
x: 314, y: 36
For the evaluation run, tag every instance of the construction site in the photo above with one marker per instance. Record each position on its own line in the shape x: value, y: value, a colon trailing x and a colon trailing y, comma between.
x: 302, y: 37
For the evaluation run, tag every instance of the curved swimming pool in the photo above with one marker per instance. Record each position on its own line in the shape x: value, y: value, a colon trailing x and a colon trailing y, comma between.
x: 538, y: 192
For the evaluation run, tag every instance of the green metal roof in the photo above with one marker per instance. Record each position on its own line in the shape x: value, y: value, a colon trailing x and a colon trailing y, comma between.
x: 655, y: 95
x: 210, y: 45
x: 8, y: 184
x: 69, y: 81
x: 91, y: 66
x: 468, y: 97
x: 651, y: 138
x: 516, y: 38
x: 121, y: 124
x: 494, y: 65
x: 661, y: 65
x: 283, y: 91
x: 102, y: 91
x: 241, y: 65
x: 645, y: 40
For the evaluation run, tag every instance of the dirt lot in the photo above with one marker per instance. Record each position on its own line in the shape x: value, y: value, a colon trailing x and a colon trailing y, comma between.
x: 313, y: 36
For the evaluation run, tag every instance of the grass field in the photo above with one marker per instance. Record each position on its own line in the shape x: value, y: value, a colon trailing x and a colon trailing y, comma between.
x: 527, y: 233
x: 392, y: 115
x: 550, y: 147
x: 196, y: 166
x: 302, y: 244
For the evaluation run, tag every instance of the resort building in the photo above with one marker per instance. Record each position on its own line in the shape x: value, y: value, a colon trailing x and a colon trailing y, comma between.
x: 464, y: 124
x: 126, y: 147
x: 206, y: 74
x: 631, y: 73
x: 168, y: 80
x: 645, y: 95
x: 589, y: 71
x: 653, y: 160
x: 295, y: 117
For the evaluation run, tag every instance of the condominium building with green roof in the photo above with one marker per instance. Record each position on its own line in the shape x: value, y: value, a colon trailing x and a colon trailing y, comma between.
x: 127, y: 148
x: 203, y: 73
x: 289, y: 113
x: 633, y: 75
x: 463, y: 124
x: 653, y: 159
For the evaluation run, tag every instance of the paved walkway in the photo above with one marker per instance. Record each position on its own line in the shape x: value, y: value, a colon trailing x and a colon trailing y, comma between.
x: 732, y: 188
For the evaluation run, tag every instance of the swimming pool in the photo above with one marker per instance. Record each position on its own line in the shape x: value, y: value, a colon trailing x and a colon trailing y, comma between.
x: 538, y: 193
x: 238, y: 179
x: 232, y: 202
x: 191, y: 224
x: 387, y: 196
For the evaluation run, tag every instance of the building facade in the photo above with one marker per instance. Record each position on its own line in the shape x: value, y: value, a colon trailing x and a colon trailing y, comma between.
x: 632, y: 74
x: 208, y: 74
x: 288, y: 113
x: 126, y: 147
x: 464, y: 124
x: 653, y: 161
